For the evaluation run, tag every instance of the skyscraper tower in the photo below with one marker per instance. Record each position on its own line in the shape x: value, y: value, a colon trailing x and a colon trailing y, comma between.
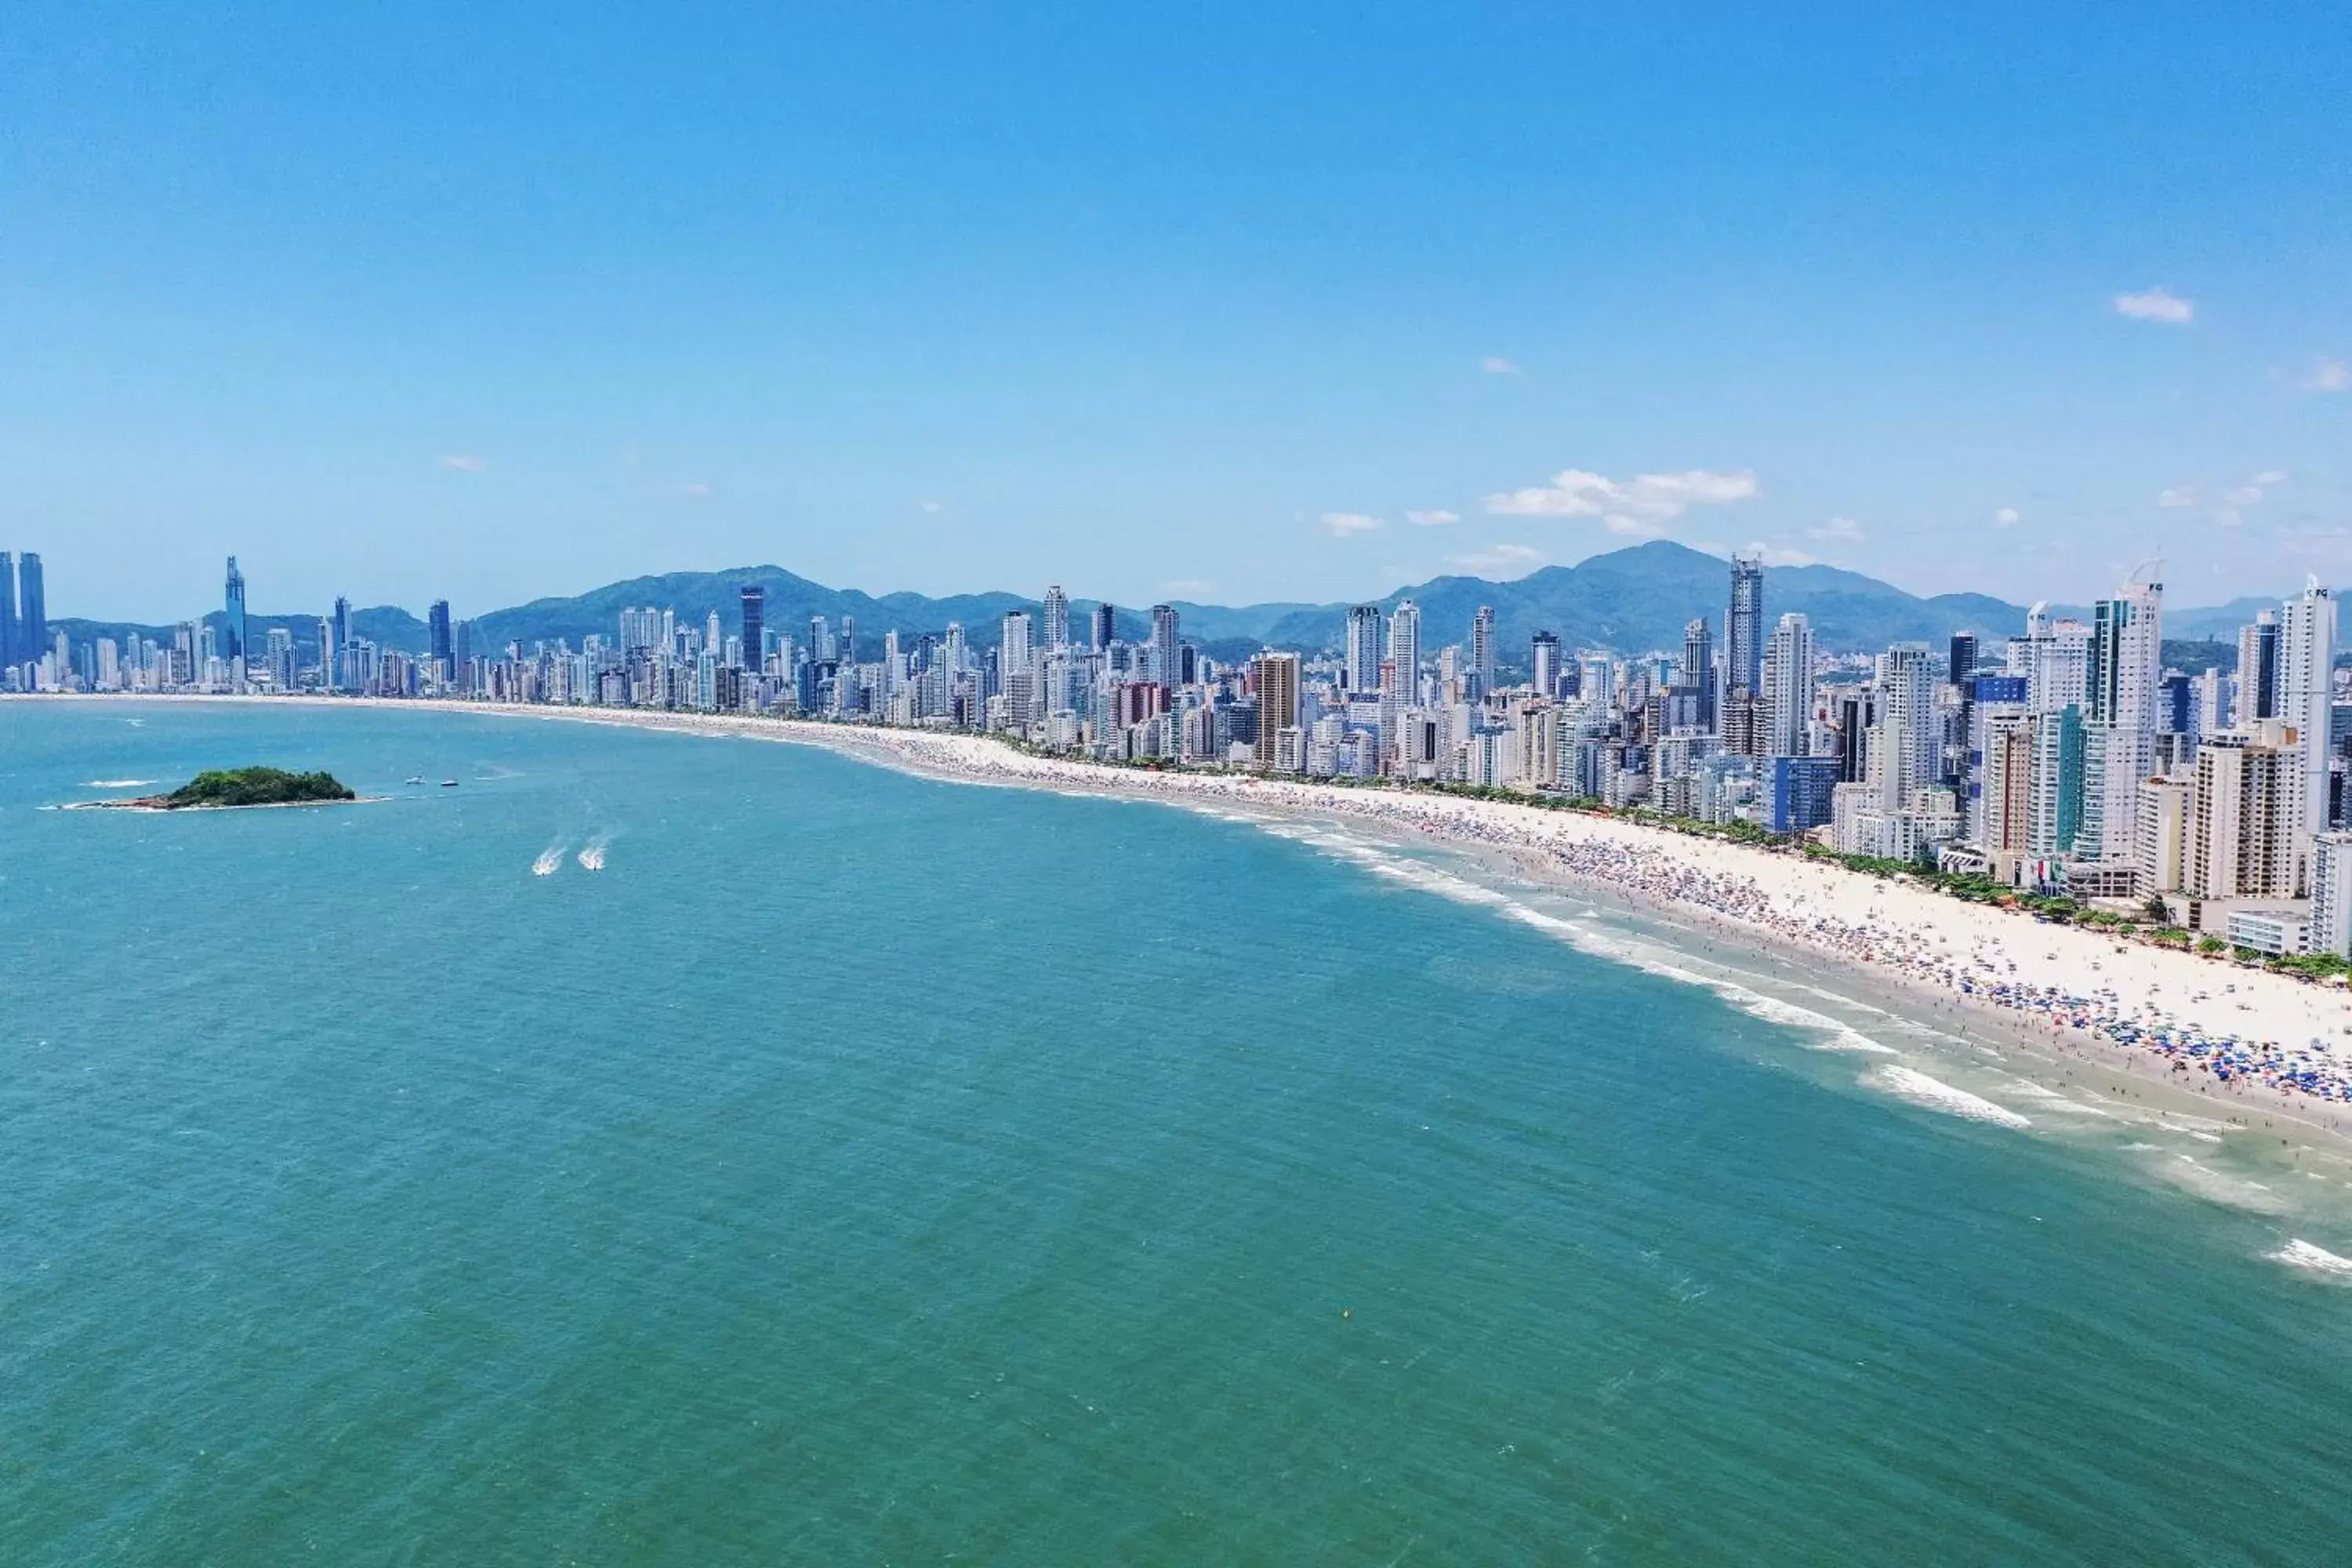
x: 1698, y: 669
x: 330, y: 659
x: 1057, y: 616
x: 1106, y: 626
x: 1743, y: 627
x: 2125, y: 664
x: 2258, y: 671
x: 1167, y: 662
x: 232, y: 634
x: 755, y: 627
x: 2306, y: 657
x: 1482, y: 647
x: 1543, y: 663
x: 444, y: 652
x: 32, y: 611
x: 1013, y: 646
x: 1788, y: 694
x: 1404, y: 649
x: 1277, y: 705
x: 1963, y: 663
x: 8, y: 637
x: 1364, y: 649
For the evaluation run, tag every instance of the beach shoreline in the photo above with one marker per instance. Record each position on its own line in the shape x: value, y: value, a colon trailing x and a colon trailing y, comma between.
x: 2153, y: 1018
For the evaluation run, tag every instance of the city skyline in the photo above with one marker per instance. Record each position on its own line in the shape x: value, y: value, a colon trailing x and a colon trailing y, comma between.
x: 1307, y: 306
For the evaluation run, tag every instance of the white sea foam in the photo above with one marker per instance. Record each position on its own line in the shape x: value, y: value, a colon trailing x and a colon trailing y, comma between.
x: 2217, y: 1187
x: 2317, y: 1259
x: 548, y: 860
x: 117, y: 784
x: 1935, y: 1094
x: 592, y: 857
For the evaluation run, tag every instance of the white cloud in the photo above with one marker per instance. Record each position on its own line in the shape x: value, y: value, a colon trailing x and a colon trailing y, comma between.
x: 1776, y: 555
x: 930, y: 506
x: 1516, y: 559
x: 2005, y: 518
x: 2156, y: 305
x: 1343, y: 523
x: 1187, y: 587
x: 1496, y: 364
x: 464, y: 463
x: 1641, y: 506
x: 2176, y: 496
x: 2329, y: 376
x: 1433, y: 519
x: 698, y: 489
x: 1842, y: 528
x: 2268, y: 477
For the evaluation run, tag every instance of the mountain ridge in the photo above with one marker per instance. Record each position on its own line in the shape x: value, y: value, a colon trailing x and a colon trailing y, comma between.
x: 1633, y: 600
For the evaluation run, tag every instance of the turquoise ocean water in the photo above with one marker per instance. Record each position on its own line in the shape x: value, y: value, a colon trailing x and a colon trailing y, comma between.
x: 863, y: 1169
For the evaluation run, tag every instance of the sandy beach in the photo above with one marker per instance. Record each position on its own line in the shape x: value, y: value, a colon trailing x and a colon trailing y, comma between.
x: 2246, y: 1045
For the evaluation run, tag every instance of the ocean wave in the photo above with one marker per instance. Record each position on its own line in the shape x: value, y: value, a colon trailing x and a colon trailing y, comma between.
x: 117, y: 784
x: 2217, y: 1187
x: 2302, y: 1255
x: 1935, y: 1094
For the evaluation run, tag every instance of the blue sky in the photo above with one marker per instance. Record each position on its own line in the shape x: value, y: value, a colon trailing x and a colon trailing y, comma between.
x: 1206, y: 300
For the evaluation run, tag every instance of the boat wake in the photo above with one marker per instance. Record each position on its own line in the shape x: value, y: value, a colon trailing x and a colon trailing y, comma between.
x: 592, y: 859
x: 548, y: 860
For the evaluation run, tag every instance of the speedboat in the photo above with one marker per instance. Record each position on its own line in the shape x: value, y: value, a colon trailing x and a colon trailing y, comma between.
x: 448, y: 784
x: 418, y: 779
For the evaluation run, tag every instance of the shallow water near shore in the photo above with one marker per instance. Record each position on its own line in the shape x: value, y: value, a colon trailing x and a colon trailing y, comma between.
x: 815, y: 1162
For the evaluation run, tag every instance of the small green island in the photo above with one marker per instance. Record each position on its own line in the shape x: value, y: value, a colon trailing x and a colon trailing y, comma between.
x: 226, y: 787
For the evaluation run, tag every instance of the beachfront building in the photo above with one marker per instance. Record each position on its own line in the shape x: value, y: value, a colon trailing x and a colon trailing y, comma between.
x: 2331, y: 894
x: 2241, y: 839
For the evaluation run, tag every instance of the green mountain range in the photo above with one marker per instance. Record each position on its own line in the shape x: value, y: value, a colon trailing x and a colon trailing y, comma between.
x: 1632, y: 600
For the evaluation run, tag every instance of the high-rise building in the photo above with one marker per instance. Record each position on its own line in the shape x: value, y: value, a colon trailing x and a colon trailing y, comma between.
x: 1015, y: 652
x: 2242, y: 833
x: 1364, y: 651
x: 1743, y: 627
x: 1962, y: 666
x: 2258, y: 671
x: 849, y: 639
x: 339, y: 637
x: 2331, y: 894
x: 1106, y: 626
x: 1543, y: 663
x: 1057, y: 617
x: 1906, y: 688
x: 1787, y: 691
x: 1482, y: 647
x: 754, y: 600
x: 233, y: 644
x: 32, y: 610
x: 8, y: 634
x: 1167, y: 661
x: 1275, y: 675
x: 1404, y: 650
x: 1699, y: 669
x: 445, y: 651
x: 2125, y: 668
x: 2307, y: 657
